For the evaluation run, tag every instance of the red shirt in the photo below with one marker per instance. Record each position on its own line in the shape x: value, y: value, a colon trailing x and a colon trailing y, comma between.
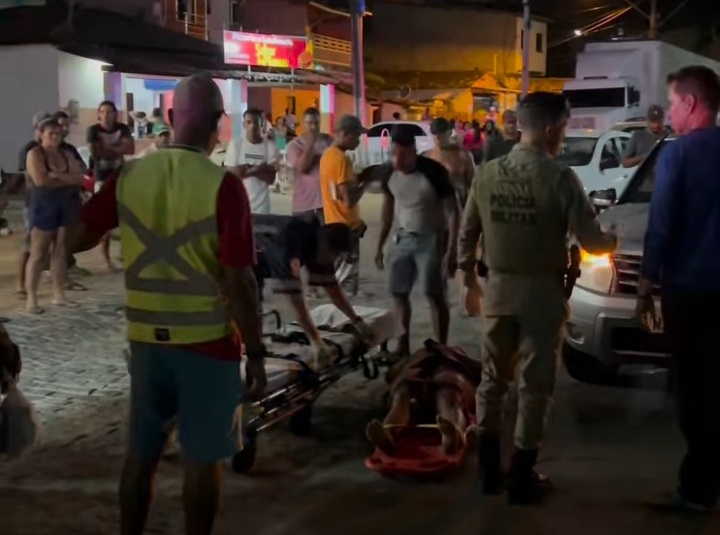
x: 236, y: 248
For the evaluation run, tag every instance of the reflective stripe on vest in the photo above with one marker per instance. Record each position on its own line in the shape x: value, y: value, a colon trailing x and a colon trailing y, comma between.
x: 166, y: 250
x: 167, y: 207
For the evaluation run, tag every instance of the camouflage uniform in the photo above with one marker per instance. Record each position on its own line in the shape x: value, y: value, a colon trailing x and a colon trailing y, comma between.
x: 521, y: 208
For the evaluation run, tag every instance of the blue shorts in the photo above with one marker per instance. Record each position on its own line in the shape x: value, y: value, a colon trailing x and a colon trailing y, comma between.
x: 48, y: 214
x: 202, y: 392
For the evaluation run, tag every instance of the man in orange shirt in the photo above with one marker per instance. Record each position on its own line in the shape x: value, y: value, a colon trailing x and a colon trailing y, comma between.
x: 341, y: 193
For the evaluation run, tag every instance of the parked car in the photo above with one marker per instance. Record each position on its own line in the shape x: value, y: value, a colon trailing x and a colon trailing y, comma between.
x: 374, y: 146
x: 602, y: 331
x: 596, y: 157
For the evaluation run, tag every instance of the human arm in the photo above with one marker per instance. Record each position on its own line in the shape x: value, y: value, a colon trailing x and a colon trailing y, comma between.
x: 37, y: 171
x: 305, y: 158
x: 387, y: 216
x: 267, y: 171
x: 663, y: 219
x: 126, y: 144
x: 631, y: 158
x: 347, y: 189
x: 581, y: 217
x: 99, y: 216
x: 469, y: 234
x: 75, y: 174
x: 237, y: 258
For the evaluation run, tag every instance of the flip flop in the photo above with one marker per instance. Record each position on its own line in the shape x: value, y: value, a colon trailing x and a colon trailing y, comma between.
x: 74, y: 286
x: 66, y: 304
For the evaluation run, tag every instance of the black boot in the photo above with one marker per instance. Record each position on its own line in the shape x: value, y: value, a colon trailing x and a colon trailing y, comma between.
x: 491, y: 477
x: 525, y: 486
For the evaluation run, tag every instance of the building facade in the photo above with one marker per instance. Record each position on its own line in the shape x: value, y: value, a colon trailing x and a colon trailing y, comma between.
x: 418, y: 38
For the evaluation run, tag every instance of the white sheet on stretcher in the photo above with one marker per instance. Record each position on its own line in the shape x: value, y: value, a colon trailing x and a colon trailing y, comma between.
x: 330, y: 321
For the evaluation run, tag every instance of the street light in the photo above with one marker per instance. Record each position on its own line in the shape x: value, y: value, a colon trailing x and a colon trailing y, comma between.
x: 578, y: 33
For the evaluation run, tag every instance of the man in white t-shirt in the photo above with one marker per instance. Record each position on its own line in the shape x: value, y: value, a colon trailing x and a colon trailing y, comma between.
x: 255, y: 159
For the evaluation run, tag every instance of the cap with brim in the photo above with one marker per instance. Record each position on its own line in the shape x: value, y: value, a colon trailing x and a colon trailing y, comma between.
x: 160, y: 128
x: 351, y: 124
x: 656, y: 113
x: 39, y: 117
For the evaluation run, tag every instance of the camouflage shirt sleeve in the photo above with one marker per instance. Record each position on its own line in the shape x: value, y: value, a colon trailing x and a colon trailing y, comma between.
x: 581, y: 217
x: 471, y: 227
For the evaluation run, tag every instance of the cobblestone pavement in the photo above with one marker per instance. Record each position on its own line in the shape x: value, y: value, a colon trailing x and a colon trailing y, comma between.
x: 608, y: 449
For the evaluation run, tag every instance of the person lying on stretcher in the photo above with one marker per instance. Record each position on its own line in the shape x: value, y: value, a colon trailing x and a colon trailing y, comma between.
x: 436, y: 385
x: 288, y: 244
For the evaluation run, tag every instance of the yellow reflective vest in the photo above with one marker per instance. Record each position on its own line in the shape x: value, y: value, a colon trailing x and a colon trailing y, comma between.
x: 167, y: 207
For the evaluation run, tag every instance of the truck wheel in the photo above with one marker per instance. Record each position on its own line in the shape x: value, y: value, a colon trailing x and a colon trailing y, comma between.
x: 243, y: 461
x: 587, y: 369
x: 301, y: 422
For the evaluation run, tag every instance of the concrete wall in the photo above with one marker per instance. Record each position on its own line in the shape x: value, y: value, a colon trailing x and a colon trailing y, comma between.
x: 32, y: 87
x: 401, y: 38
x: 81, y: 81
x: 274, y: 17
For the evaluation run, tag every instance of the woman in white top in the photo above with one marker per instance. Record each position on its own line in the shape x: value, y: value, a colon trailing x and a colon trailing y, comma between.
x: 255, y: 159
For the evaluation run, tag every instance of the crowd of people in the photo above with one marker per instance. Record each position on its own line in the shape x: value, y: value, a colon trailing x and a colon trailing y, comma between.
x: 187, y: 335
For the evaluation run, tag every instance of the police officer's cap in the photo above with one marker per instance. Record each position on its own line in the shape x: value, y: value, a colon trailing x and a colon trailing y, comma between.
x: 541, y: 110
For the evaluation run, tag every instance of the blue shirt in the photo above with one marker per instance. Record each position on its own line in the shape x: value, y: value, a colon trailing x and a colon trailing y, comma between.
x: 682, y: 243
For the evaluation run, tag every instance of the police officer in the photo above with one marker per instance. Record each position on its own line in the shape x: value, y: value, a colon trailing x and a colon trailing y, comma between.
x: 520, y: 210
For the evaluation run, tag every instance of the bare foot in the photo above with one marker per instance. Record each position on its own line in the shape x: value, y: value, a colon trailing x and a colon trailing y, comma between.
x: 379, y: 436
x: 21, y: 294
x: 452, y: 438
x: 34, y: 308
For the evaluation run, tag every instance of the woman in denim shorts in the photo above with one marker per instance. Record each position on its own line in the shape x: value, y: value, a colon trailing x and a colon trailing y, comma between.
x: 55, y: 175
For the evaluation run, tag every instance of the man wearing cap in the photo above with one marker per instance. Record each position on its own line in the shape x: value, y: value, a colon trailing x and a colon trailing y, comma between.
x: 642, y: 141
x: 420, y: 204
x: 187, y: 244
x: 497, y: 146
x: 341, y: 193
x: 161, y: 138
x: 458, y: 161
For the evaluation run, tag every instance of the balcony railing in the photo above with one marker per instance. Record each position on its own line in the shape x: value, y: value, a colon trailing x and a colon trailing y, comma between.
x: 332, y: 51
x: 195, y: 25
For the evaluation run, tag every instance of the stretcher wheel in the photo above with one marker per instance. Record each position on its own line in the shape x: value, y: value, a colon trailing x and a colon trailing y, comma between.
x: 301, y: 422
x: 243, y: 461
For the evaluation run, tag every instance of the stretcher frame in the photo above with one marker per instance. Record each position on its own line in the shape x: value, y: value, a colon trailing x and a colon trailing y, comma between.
x: 294, y: 402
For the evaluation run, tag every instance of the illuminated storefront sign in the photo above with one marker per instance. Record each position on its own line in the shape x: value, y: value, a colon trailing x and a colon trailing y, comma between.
x: 260, y: 50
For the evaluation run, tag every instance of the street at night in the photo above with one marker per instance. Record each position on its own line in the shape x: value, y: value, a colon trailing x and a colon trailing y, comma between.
x: 609, y: 449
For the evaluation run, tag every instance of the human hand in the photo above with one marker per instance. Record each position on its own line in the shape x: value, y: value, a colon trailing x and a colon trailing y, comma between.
x: 647, y: 314
x: 255, y: 378
x: 367, y: 335
x: 323, y: 355
x: 451, y: 264
x: 240, y: 170
x: 472, y: 301
x: 380, y: 260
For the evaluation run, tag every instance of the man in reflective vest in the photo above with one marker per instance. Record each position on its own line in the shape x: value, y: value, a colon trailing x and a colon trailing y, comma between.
x: 188, y: 251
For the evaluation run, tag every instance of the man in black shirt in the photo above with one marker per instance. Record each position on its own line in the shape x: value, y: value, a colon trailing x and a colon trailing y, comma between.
x: 286, y: 245
x: 110, y: 141
x: 500, y: 145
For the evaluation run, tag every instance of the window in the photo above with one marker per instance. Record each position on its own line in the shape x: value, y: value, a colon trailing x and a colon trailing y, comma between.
x: 234, y: 12
x: 384, y: 129
x: 577, y: 151
x: 181, y: 8
x: 641, y: 185
x: 539, y: 43
x: 609, y: 97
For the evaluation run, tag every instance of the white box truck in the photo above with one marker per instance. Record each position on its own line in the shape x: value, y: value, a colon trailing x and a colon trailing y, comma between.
x: 616, y: 81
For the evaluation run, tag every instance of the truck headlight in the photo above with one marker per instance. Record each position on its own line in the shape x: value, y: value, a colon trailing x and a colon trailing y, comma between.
x: 596, y: 272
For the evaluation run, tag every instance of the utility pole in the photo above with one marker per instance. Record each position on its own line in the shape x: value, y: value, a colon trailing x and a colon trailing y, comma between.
x: 654, y: 22
x: 358, y: 60
x: 527, y: 29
